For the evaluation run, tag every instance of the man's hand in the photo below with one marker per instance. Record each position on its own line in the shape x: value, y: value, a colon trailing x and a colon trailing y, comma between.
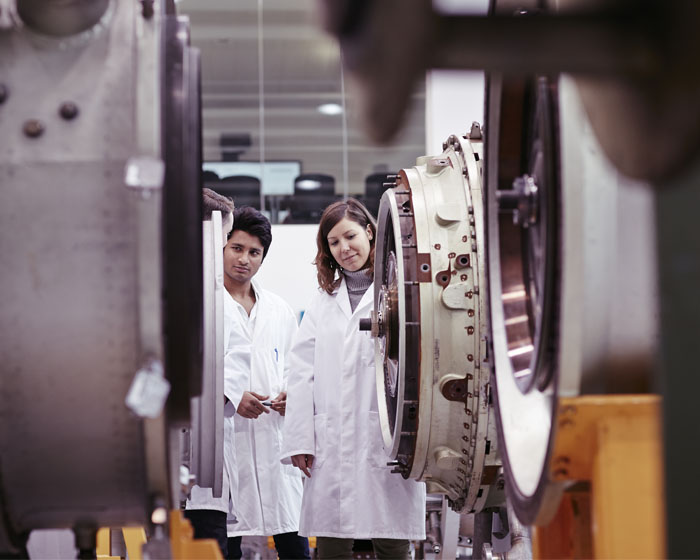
x: 279, y: 403
x: 251, y: 405
x: 303, y: 462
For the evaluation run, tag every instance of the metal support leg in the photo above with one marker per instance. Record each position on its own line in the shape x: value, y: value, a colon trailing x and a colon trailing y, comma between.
x: 449, y: 529
x: 678, y: 247
x: 483, y: 522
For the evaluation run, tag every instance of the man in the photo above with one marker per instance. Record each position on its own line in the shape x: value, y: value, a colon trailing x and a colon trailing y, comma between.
x: 268, y: 501
x: 206, y: 513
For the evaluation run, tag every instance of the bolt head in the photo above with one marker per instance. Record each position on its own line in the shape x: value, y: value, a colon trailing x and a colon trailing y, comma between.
x: 33, y: 128
x: 68, y: 110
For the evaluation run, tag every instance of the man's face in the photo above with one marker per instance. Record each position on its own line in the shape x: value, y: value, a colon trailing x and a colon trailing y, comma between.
x: 243, y: 256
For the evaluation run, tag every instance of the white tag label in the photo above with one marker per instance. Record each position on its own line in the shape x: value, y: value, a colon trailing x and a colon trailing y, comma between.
x: 149, y: 391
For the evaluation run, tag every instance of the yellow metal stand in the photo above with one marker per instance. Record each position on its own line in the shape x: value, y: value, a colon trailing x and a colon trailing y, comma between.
x: 134, y: 537
x: 612, y: 444
x: 271, y: 542
x: 183, y: 544
x: 104, y: 545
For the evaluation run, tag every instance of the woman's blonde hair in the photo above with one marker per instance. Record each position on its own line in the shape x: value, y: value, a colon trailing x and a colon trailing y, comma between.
x: 326, y: 265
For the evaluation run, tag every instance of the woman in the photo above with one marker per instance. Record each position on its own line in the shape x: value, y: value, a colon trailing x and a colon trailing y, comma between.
x: 331, y: 429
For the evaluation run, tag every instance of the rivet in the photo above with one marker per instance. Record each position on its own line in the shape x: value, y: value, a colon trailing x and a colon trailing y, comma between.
x: 463, y: 277
x: 470, y: 357
x: 68, y: 110
x: 437, y: 246
x: 33, y: 128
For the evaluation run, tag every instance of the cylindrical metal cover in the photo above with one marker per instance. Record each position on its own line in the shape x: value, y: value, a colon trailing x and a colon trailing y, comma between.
x: 81, y: 293
x: 432, y: 367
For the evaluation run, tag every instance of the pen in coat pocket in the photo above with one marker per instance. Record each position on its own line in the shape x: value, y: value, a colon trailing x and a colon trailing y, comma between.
x: 277, y: 357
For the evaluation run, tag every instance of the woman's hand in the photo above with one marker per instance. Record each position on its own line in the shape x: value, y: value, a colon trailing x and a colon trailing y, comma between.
x: 303, y: 462
x: 279, y: 403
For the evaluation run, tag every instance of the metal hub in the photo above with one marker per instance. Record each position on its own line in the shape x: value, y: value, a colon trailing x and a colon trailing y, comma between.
x: 569, y: 285
x: 432, y: 369
x: 397, y: 331
x: 523, y: 216
x: 527, y: 237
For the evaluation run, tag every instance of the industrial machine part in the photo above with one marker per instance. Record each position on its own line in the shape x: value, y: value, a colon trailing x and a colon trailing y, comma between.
x: 206, y: 444
x: 100, y: 229
x: 433, y: 535
x: 635, y: 69
x: 571, y: 275
x: 431, y: 327
x: 636, y: 63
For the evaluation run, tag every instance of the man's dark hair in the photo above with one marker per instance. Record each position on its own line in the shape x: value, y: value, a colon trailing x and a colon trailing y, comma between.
x: 212, y: 200
x: 248, y: 219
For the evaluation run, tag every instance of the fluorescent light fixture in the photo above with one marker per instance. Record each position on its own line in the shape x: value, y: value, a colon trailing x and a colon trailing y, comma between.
x: 330, y: 109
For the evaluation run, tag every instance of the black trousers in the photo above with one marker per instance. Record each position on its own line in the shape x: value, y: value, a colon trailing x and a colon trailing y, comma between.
x: 209, y: 524
x: 290, y: 546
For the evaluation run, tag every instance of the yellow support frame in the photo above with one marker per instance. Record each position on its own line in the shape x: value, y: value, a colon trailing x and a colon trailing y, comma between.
x: 611, y: 443
x: 183, y: 544
x: 134, y: 538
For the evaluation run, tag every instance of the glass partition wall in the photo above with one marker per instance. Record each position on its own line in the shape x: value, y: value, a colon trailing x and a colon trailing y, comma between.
x: 280, y: 130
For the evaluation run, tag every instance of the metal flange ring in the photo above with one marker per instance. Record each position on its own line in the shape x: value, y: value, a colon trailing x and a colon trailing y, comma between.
x: 432, y: 368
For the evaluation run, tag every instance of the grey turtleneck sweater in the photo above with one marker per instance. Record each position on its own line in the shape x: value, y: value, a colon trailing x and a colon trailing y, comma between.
x: 357, y: 282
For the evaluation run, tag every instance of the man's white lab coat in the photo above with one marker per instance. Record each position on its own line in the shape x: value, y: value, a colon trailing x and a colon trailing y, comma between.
x: 268, y: 501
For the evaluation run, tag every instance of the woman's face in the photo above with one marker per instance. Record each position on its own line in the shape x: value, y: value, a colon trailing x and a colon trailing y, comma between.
x: 349, y: 244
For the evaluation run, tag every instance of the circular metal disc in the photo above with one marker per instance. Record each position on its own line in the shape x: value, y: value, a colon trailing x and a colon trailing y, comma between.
x: 389, y: 297
x: 522, y: 276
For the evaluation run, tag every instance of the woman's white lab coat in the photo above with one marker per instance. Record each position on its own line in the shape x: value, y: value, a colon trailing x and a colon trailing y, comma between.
x: 269, y: 493
x: 332, y: 415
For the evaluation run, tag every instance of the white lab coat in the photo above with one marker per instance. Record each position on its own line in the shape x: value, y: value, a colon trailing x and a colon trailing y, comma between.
x: 202, y: 498
x: 269, y: 493
x: 332, y: 415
